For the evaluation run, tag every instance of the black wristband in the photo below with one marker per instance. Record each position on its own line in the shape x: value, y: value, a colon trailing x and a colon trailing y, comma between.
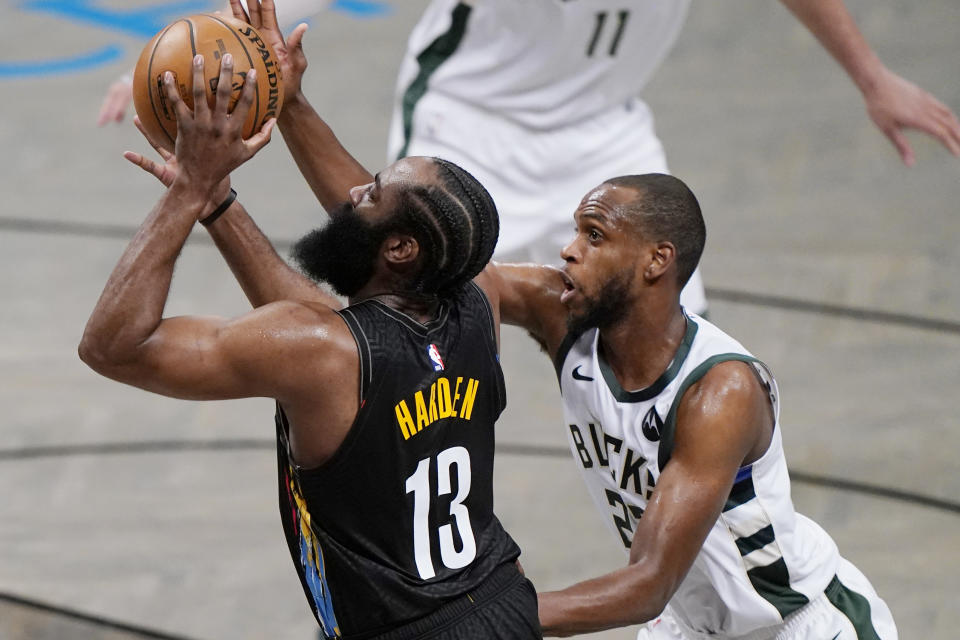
x: 210, y: 219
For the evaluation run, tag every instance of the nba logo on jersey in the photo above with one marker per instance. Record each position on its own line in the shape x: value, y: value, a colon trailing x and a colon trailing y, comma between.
x: 434, y: 354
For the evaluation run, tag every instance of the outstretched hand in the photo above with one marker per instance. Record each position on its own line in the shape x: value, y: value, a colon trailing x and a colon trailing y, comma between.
x: 263, y: 18
x: 895, y: 104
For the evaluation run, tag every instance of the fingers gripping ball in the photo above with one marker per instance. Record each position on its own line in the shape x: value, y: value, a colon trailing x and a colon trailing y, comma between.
x: 211, y: 36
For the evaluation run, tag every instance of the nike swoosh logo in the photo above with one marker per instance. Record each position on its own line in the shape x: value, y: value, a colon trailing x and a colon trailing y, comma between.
x: 579, y: 376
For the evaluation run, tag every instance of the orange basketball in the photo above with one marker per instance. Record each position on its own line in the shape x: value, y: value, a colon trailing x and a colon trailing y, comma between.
x: 211, y: 36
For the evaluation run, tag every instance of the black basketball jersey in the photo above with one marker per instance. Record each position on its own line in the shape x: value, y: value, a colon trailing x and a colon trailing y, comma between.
x: 400, y: 519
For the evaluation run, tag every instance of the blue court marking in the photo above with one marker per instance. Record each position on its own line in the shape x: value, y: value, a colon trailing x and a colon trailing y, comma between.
x: 81, y: 62
x: 142, y: 23
x: 362, y: 8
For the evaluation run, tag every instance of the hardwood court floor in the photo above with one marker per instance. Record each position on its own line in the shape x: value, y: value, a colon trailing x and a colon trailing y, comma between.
x: 826, y: 258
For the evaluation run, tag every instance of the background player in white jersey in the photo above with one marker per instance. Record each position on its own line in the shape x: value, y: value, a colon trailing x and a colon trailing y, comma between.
x: 675, y: 424
x: 540, y: 99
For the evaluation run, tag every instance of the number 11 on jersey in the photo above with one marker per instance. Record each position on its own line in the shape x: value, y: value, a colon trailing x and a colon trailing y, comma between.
x: 454, y: 459
x: 599, y: 30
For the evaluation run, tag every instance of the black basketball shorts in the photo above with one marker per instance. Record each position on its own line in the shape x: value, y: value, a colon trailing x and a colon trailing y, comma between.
x: 504, y: 607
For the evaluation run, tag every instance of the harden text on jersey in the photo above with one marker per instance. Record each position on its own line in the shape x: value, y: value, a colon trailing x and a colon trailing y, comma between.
x: 446, y: 400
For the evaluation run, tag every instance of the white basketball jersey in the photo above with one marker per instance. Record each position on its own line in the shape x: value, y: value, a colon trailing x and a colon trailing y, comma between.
x: 761, y: 560
x: 541, y: 63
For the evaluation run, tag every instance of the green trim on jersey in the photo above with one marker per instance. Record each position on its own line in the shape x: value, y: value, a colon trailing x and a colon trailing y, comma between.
x: 742, y: 492
x: 670, y: 424
x: 568, y: 341
x: 429, y: 59
x: 772, y: 582
x: 759, y: 540
x: 854, y: 606
x: 622, y: 395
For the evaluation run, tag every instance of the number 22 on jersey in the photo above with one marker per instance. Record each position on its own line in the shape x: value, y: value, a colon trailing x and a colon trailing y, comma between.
x: 449, y: 461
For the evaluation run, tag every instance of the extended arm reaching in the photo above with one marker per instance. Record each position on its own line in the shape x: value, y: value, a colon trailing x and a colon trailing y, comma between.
x: 328, y: 168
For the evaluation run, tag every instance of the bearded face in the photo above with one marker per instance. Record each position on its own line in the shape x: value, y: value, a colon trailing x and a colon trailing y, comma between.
x: 603, y: 309
x: 344, y: 252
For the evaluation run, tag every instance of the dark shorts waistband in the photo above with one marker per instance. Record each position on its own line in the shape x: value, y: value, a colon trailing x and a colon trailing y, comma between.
x: 502, y: 578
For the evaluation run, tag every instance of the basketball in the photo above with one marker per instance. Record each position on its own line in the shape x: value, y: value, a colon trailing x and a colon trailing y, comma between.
x: 211, y: 36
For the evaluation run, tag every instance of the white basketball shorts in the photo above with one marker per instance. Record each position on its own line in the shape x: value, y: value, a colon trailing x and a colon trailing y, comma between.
x: 849, y: 609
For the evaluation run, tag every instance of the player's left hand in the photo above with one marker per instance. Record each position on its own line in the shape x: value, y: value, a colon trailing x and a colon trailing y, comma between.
x: 895, y: 104
x: 210, y: 141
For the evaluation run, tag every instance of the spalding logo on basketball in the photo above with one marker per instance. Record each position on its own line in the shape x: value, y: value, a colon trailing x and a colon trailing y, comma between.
x: 211, y: 36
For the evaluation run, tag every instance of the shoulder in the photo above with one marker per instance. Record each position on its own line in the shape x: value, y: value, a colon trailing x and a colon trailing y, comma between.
x: 299, y: 325
x: 727, y: 408
x: 294, y: 313
x: 311, y: 352
x: 725, y: 382
x: 729, y: 394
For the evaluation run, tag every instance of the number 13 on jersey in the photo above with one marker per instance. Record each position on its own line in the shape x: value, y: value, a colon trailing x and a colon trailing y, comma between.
x: 450, y: 461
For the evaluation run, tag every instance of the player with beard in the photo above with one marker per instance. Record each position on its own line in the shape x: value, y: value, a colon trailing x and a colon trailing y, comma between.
x: 385, y: 408
x: 675, y: 428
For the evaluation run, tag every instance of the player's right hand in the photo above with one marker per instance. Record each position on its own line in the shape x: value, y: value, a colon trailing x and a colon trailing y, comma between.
x: 293, y: 62
x: 116, y: 101
x: 210, y: 143
x: 896, y: 104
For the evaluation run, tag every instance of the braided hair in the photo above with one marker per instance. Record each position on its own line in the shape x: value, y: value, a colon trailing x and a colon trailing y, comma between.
x: 456, y: 225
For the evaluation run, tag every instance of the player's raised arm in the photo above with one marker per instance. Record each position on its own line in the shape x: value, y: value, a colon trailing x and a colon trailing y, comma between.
x: 328, y: 168
x: 126, y: 337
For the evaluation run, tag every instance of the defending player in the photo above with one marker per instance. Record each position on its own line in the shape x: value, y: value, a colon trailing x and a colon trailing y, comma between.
x: 385, y: 408
x: 675, y: 427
